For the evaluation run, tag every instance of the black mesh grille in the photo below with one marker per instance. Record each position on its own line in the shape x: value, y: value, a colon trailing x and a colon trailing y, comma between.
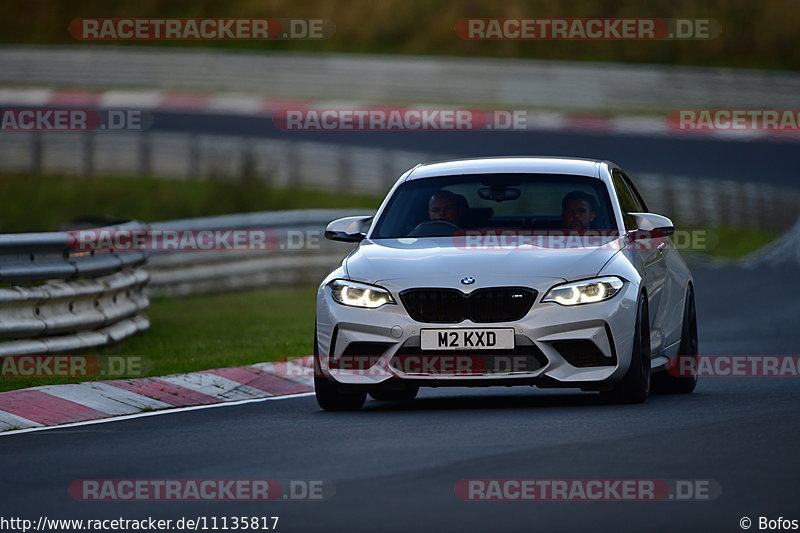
x: 583, y: 353
x: 448, y: 306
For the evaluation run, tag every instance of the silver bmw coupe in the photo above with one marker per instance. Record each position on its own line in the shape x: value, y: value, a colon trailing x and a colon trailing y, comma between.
x: 537, y: 271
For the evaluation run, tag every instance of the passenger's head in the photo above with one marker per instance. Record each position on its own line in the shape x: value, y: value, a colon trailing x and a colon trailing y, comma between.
x: 445, y: 205
x: 578, y: 210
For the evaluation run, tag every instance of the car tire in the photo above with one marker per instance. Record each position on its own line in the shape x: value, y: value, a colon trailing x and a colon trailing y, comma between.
x: 405, y: 395
x: 329, y: 395
x: 635, y: 386
x: 666, y: 383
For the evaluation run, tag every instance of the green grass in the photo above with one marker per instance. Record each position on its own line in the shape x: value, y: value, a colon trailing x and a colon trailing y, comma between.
x: 221, y: 330
x: 51, y: 201
x: 726, y: 242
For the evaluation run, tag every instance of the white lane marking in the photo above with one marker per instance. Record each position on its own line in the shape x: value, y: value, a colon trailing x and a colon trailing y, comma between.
x: 102, y: 397
x: 216, y: 386
x: 157, y: 413
x: 10, y: 420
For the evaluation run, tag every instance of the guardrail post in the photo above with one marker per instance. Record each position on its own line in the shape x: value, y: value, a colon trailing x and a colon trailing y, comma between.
x: 387, y: 169
x: 293, y: 166
x: 344, y: 168
x: 145, y: 155
x: 87, y: 159
x: 36, y: 153
x: 193, y: 162
x: 247, y: 169
x: 669, y: 198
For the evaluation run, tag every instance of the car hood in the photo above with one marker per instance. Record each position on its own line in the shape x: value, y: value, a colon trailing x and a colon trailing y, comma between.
x: 422, y: 261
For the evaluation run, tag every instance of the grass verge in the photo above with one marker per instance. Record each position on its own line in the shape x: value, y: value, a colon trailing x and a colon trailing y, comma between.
x: 724, y: 242
x: 212, y: 331
x: 51, y: 201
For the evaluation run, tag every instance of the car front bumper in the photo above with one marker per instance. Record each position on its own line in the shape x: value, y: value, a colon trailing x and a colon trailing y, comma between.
x: 370, y: 347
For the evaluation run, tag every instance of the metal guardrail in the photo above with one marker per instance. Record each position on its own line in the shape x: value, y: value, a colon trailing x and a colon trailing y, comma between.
x: 54, y: 299
x: 303, y: 255
x: 348, y: 77
x: 281, y: 163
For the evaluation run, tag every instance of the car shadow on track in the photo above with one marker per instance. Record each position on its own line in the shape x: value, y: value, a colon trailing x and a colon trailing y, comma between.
x: 492, y: 401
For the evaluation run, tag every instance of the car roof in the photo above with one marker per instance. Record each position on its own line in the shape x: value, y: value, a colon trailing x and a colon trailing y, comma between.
x: 508, y: 165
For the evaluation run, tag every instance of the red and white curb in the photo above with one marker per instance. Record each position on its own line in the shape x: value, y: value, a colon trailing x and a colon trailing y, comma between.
x: 250, y: 105
x: 53, y: 405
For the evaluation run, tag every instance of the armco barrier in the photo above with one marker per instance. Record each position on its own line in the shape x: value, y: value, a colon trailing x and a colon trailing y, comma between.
x: 302, y: 254
x: 55, y: 299
x: 352, y: 77
x: 690, y: 201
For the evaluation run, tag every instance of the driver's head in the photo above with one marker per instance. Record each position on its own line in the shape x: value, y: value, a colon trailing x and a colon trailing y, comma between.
x: 577, y: 210
x: 445, y: 205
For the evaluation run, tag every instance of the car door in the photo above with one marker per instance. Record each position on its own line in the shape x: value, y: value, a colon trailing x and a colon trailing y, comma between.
x: 674, y: 290
x: 650, y: 255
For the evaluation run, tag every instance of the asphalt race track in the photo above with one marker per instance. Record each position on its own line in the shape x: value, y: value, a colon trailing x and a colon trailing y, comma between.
x: 395, y: 467
x: 694, y: 155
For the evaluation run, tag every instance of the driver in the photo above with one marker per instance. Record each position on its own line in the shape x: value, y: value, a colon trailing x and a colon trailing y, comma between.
x: 445, y: 205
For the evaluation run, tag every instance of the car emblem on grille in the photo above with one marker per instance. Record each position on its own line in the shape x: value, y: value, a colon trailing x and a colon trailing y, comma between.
x: 468, y: 280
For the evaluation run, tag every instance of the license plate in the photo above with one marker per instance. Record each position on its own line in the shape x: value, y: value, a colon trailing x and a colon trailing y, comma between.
x: 467, y: 339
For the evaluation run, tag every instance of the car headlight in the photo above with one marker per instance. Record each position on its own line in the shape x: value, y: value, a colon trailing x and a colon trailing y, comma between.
x: 357, y: 294
x: 584, y: 292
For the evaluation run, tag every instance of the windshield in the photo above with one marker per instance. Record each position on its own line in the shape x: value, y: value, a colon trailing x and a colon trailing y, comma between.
x: 443, y: 206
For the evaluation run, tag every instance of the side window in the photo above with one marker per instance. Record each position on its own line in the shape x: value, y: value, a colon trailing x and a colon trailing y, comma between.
x: 626, y: 200
x: 641, y: 207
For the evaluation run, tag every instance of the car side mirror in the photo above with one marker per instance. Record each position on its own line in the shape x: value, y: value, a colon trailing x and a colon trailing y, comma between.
x: 348, y: 229
x: 650, y: 225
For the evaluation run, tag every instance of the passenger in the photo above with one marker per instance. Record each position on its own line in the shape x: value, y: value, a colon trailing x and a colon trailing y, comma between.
x: 578, y: 210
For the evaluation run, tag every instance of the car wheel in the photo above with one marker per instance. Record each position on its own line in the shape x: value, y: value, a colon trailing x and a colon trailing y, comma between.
x: 405, y: 395
x: 329, y: 396
x: 635, y: 386
x: 666, y: 383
